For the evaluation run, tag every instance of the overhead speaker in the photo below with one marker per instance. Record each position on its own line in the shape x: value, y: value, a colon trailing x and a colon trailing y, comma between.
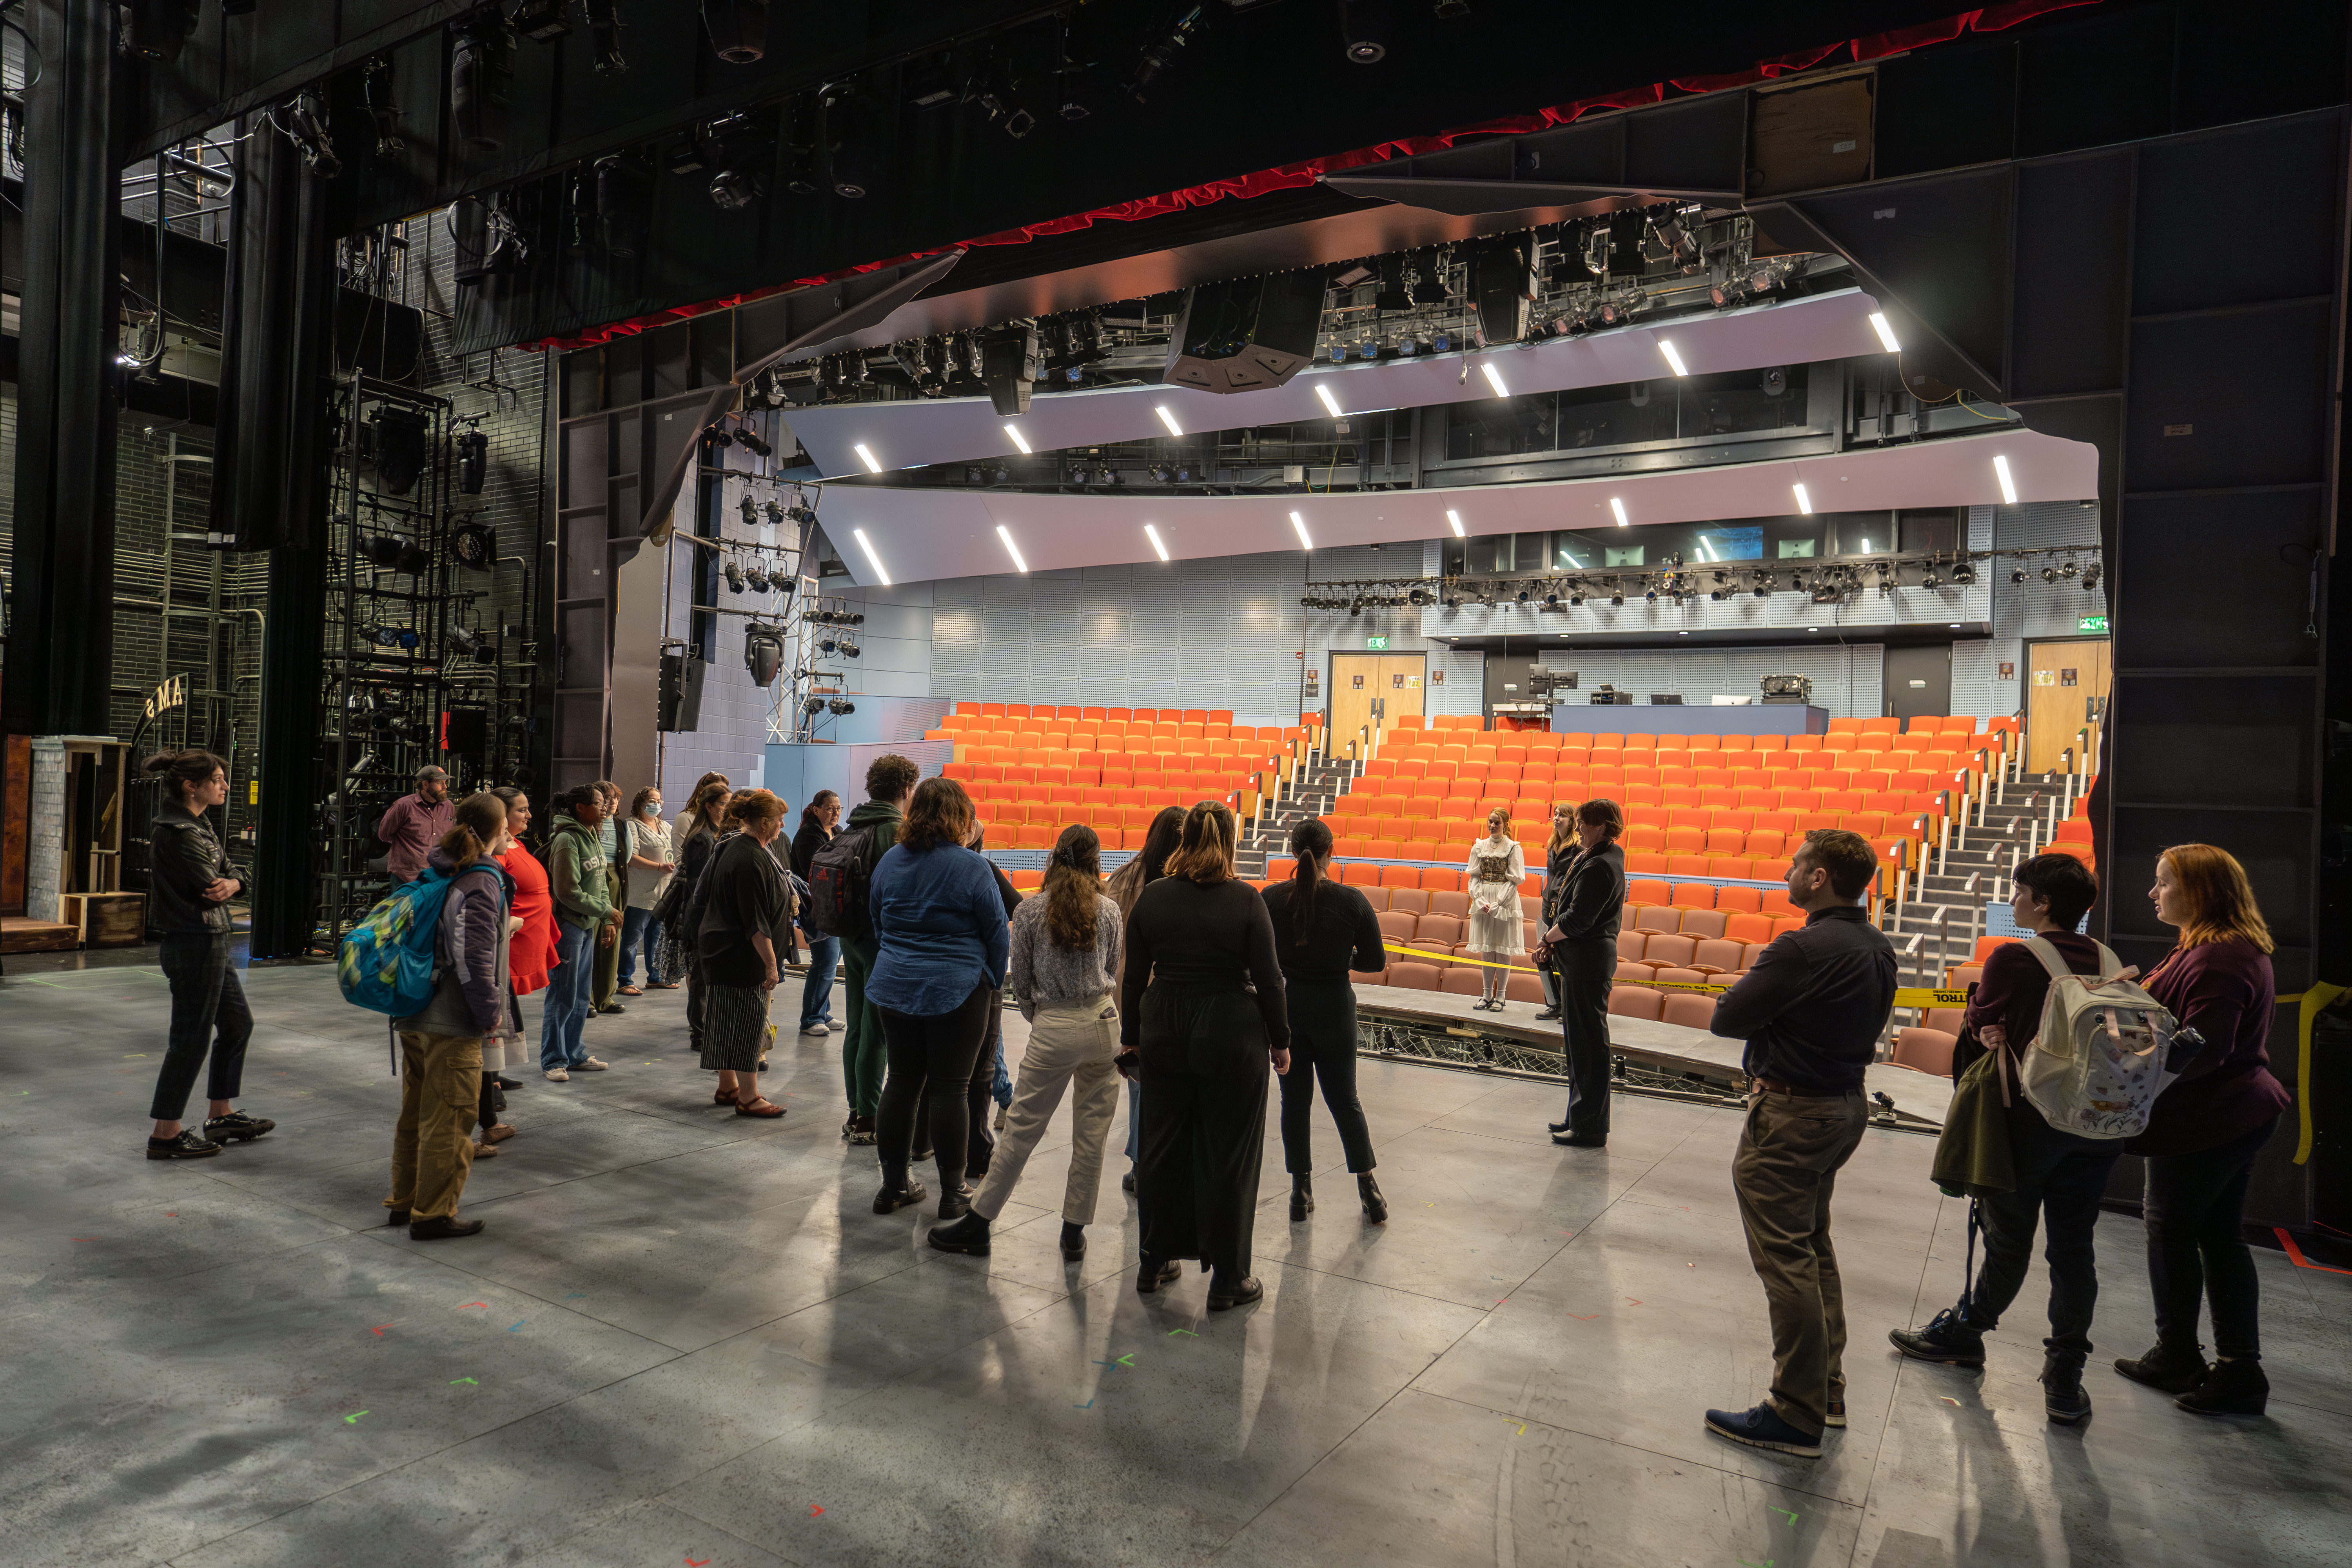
x: 1246, y: 335
x: 679, y: 694
x: 1009, y: 365
x: 1502, y: 286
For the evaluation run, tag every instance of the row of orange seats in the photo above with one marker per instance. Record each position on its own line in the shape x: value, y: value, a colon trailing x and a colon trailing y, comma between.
x: 1067, y: 710
x: 1451, y: 841
x: 1778, y: 772
x: 1929, y: 724
x: 1531, y: 814
x: 1116, y: 773
x: 1136, y: 738
x: 1536, y: 745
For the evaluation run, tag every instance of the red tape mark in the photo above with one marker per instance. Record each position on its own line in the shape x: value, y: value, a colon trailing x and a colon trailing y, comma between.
x: 815, y: 1510
x: 2295, y: 1253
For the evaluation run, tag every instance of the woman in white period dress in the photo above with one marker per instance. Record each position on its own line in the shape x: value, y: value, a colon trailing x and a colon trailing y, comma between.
x: 1495, y: 868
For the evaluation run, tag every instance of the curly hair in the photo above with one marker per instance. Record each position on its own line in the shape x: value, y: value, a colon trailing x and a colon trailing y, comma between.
x: 1074, y: 888
x: 939, y: 814
x: 890, y: 776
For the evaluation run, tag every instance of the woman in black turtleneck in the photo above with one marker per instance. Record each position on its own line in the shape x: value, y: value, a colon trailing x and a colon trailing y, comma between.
x: 1201, y: 939
x: 1323, y: 930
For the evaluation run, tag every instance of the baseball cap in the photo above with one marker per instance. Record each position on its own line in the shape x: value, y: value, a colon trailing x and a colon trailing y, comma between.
x: 430, y: 773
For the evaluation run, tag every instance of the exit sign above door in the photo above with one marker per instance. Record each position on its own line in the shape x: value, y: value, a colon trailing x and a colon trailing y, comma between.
x: 2096, y: 623
x: 1376, y: 644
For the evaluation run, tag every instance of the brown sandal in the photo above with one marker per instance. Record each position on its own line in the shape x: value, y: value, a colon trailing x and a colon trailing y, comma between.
x: 631, y: 991
x: 763, y: 1107
x: 724, y: 1097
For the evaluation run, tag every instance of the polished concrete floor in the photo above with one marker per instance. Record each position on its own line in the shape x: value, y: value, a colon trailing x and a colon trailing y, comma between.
x: 683, y: 1337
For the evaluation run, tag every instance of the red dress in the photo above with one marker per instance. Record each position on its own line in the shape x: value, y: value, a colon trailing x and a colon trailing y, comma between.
x: 532, y: 954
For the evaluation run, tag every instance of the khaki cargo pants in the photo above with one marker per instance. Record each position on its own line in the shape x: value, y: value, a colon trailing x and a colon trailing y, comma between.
x: 1784, y: 1170
x: 432, y: 1145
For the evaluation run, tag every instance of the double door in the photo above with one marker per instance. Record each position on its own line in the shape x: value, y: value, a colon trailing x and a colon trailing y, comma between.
x: 1361, y: 680
x: 2066, y: 687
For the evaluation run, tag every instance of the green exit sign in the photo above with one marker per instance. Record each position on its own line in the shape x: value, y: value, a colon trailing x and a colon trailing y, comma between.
x: 2092, y: 623
x: 1378, y: 644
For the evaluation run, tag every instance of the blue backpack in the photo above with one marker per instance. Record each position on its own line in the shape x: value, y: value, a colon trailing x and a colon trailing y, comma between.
x: 387, y: 961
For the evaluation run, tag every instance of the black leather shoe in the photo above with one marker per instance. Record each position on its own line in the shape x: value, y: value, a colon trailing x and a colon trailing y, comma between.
x: 1548, y: 1016
x: 2231, y: 1388
x: 968, y: 1235
x: 2063, y: 1399
x: 1559, y: 1127
x: 237, y: 1127
x: 2174, y: 1371
x: 1240, y: 1293
x: 442, y: 1229
x: 956, y: 1205
x: 188, y: 1145
x: 1580, y: 1141
x: 890, y: 1201
x: 395, y: 1217
x: 1150, y: 1276
x: 507, y: 1083
x: 1302, y: 1198
x: 1074, y: 1241
x: 1367, y: 1193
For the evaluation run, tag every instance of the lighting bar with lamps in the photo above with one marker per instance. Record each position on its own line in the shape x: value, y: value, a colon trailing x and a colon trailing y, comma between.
x: 1673, y: 358
x: 1153, y: 534
x: 1011, y: 434
x: 1300, y: 525
x: 866, y: 455
x: 1010, y: 549
x: 1166, y: 418
x: 1493, y: 378
x: 1886, y: 333
x: 1454, y: 519
x: 1617, y: 510
x: 1330, y: 403
x: 873, y: 560
x: 2008, y: 485
x: 1804, y: 501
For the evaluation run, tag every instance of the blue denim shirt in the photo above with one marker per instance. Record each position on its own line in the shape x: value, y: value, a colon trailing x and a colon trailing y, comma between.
x: 941, y: 930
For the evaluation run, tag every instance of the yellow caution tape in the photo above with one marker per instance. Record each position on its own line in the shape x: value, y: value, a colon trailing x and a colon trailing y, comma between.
x: 1906, y: 996
x: 2310, y: 1004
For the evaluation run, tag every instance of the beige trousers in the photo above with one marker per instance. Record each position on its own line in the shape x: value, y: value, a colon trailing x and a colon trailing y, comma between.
x: 433, y: 1144
x: 1069, y: 1048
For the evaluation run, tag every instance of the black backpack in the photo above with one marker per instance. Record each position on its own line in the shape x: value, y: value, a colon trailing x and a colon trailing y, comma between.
x: 840, y: 882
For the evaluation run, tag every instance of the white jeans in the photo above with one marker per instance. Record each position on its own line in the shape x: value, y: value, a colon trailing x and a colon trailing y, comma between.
x: 1072, y: 1048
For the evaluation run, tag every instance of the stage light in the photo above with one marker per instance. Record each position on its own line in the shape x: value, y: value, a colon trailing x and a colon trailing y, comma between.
x: 1617, y: 510
x: 1928, y: 579
x: 748, y: 510
x: 1168, y: 417
x: 763, y: 654
x: 1964, y: 575
x: 739, y: 31
x: 1012, y: 549
x: 1886, y: 333
x: 2016, y: 575
x: 1366, y: 30
x: 1493, y: 378
x: 1153, y: 534
x: 866, y: 455
x: 382, y: 549
x: 415, y: 560
x: 841, y: 707
x: 2091, y: 575
x: 399, y: 456
x: 1763, y: 589
x: 732, y: 190
x: 1300, y: 525
x: 1673, y: 358
x: 475, y: 546
x: 749, y: 438
x: 473, y: 460
x: 2008, y: 485
x: 872, y: 559
x: 849, y: 649
x: 1617, y: 594
x: 734, y: 575
x: 1330, y: 404
x: 1455, y: 520
x: 1804, y: 501
x: 1018, y: 440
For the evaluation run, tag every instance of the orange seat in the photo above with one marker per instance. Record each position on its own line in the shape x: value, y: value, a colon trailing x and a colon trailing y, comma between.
x: 1657, y: 917
x: 1642, y: 891
x: 1985, y: 944
x: 1703, y: 923
x: 1410, y: 976
x: 1926, y: 1050
x: 1693, y: 896
x: 1716, y: 954
x: 1692, y: 1010
x: 1635, y: 1002
x: 1738, y: 901
x: 1400, y: 877
x: 1458, y: 981
x: 1631, y: 943
x: 1669, y: 950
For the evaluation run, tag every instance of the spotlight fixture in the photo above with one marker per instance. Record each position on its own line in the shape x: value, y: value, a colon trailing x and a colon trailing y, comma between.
x: 849, y: 648
x: 1928, y: 579
x: 841, y: 707
x: 2017, y: 574
x: 1366, y: 30
x: 1763, y: 588
x: 2050, y: 574
x: 1963, y: 576
x: 739, y: 33
x: 2091, y: 575
x: 474, y: 545
x: 747, y: 438
x: 2069, y: 570
x: 748, y: 510
x: 756, y: 579
x: 473, y: 460
x: 735, y: 578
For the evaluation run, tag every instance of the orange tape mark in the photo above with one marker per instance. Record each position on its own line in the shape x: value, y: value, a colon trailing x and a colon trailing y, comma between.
x: 2295, y: 1255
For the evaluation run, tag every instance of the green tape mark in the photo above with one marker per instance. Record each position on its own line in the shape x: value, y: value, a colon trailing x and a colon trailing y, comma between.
x: 353, y: 1416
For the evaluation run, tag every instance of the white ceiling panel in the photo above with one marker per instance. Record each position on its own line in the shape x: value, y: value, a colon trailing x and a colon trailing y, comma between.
x: 926, y: 533
x: 913, y: 432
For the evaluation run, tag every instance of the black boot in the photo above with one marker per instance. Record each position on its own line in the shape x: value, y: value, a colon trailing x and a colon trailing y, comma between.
x: 1151, y: 1274
x: 898, y: 1191
x: 968, y: 1234
x: 1367, y: 1192
x: 1226, y: 1294
x: 1302, y: 1198
x: 2062, y: 1391
x: 2176, y: 1368
x: 1074, y: 1241
x: 2235, y: 1386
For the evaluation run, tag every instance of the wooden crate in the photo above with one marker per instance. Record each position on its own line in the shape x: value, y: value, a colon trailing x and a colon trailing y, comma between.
x: 105, y: 919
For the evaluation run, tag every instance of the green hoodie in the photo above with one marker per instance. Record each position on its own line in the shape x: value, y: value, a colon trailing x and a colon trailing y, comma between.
x: 884, y: 818
x: 575, y: 872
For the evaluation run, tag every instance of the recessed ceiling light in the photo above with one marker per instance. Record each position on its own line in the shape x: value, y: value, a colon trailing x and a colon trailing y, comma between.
x: 1329, y: 402
x: 1804, y: 501
x: 1012, y: 549
x: 1168, y: 419
x: 1617, y: 507
x: 1454, y: 518
x: 872, y: 559
x: 1673, y: 358
x: 1813, y: 628
x: 2008, y: 485
x: 866, y: 455
x: 1015, y: 435
x: 1494, y: 378
x: 1886, y: 333
x: 1153, y: 534
x: 1299, y: 523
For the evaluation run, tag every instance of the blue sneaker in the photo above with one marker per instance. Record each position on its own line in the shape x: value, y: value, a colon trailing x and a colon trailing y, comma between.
x: 1763, y: 1429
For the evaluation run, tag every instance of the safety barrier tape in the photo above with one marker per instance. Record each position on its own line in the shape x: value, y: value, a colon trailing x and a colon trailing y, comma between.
x: 1905, y: 996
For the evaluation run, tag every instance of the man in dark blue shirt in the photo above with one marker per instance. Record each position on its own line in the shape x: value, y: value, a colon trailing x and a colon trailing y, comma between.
x: 1811, y: 1011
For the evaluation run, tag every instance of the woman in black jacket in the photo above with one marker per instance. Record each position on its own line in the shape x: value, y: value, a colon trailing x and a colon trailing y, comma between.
x: 817, y: 822
x: 1582, y: 945
x: 191, y: 883
x: 1558, y: 855
x: 1323, y: 930
x: 1203, y: 941
x: 698, y: 833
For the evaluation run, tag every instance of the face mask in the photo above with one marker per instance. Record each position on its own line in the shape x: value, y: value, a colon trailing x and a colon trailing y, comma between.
x: 654, y: 809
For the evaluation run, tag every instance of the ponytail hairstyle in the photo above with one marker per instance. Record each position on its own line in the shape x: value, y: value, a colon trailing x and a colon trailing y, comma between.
x: 1159, y: 842
x: 183, y: 771
x: 1205, y: 852
x: 1310, y: 840
x: 480, y: 819
x: 1074, y: 888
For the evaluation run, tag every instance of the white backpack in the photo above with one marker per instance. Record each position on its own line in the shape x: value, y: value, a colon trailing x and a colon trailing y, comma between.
x: 2101, y: 1056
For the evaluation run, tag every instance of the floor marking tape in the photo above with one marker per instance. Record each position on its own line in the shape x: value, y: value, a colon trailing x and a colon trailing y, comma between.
x: 2295, y: 1255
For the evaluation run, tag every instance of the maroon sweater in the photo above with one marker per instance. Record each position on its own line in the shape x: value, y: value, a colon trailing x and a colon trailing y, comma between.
x: 2225, y: 991
x: 2015, y: 986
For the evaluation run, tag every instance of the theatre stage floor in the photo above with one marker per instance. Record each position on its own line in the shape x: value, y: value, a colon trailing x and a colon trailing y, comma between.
x: 685, y: 1337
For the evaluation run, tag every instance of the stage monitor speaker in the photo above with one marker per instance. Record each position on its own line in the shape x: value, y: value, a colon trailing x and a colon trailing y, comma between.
x: 466, y: 731
x: 679, y: 704
x: 1502, y: 286
x: 1246, y: 335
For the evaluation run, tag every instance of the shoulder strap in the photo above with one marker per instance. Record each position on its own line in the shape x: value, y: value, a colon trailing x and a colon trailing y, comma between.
x: 2109, y: 965
x: 2046, y: 949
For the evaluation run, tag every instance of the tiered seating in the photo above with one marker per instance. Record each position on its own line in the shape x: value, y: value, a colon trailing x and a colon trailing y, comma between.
x: 1035, y: 771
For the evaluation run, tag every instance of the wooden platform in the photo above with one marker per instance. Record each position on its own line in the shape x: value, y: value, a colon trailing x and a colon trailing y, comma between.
x: 20, y: 934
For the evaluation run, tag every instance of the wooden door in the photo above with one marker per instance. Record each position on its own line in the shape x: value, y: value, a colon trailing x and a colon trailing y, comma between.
x: 1358, y: 680
x: 2065, y: 693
